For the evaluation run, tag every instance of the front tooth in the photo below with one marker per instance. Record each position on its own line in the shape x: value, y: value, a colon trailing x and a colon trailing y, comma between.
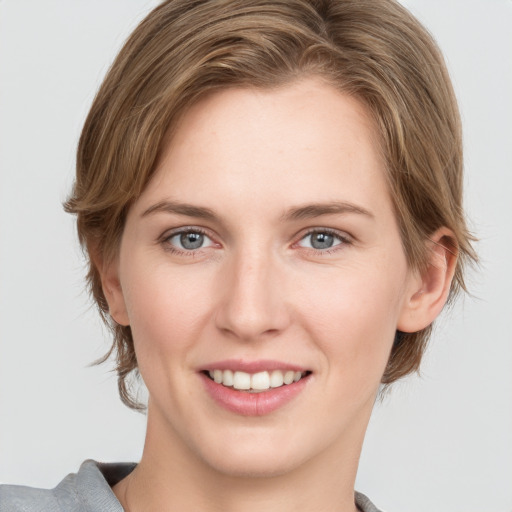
x: 227, y: 378
x: 288, y: 377
x: 217, y: 376
x: 297, y: 376
x: 241, y: 380
x: 260, y: 380
x: 276, y: 379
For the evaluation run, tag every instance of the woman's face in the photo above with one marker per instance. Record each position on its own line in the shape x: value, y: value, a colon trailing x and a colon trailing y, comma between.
x: 264, y: 249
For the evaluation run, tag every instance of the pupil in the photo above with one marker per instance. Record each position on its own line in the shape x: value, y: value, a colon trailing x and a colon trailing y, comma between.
x: 322, y: 240
x: 191, y: 240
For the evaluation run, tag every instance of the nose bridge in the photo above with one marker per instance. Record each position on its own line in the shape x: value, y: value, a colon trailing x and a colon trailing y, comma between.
x: 253, y: 302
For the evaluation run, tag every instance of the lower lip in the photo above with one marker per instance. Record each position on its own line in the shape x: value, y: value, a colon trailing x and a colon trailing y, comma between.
x: 253, y: 404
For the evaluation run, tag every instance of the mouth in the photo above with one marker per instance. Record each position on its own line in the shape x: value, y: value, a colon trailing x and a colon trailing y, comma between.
x: 254, y: 388
x: 255, y: 382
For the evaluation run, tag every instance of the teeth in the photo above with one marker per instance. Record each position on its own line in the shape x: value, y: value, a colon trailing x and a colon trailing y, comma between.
x: 217, y: 376
x: 288, y: 377
x: 276, y: 379
x: 260, y: 381
x: 227, y: 378
x: 241, y: 380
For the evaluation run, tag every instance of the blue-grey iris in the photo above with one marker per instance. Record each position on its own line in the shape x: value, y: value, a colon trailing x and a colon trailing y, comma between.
x: 321, y: 240
x: 192, y: 240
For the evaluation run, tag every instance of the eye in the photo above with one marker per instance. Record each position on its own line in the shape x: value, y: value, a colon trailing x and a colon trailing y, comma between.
x: 321, y: 240
x: 189, y: 240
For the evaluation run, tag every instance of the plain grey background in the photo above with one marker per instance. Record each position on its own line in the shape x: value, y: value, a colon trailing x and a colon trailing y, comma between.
x: 442, y: 442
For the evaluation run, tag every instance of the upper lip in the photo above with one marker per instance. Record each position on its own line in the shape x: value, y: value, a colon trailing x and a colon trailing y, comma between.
x: 252, y: 366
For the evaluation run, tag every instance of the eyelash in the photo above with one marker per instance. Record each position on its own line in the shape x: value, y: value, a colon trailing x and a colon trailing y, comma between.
x: 344, y: 240
x: 166, y: 240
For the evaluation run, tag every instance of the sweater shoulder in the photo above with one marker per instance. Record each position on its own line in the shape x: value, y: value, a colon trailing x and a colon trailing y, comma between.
x: 19, y: 498
x: 89, y: 490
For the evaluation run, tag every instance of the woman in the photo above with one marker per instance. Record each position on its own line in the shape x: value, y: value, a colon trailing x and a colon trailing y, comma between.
x: 270, y: 197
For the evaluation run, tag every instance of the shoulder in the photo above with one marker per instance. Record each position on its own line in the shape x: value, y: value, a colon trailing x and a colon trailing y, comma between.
x: 364, y: 504
x: 19, y: 498
x: 89, y: 490
x: 14, y: 498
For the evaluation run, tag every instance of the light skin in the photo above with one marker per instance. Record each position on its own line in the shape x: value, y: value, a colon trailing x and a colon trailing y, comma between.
x: 267, y: 233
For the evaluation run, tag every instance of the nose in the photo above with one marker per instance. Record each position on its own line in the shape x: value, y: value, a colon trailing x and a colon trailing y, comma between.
x: 253, y: 302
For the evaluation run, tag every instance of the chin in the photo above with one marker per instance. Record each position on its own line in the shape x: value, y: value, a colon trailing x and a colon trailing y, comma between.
x: 237, y: 464
x: 256, y: 452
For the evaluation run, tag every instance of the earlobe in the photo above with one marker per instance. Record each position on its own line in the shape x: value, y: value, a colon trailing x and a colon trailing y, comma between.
x: 111, y: 285
x: 429, y: 289
x: 115, y: 298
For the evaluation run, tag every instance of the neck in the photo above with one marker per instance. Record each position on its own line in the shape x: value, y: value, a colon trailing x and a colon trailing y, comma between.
x: 170, y: 477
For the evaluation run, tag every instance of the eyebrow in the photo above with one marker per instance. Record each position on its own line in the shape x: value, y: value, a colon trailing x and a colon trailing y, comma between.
x: 307, y: 211
x: 175, y: 207
x: 310, y: 211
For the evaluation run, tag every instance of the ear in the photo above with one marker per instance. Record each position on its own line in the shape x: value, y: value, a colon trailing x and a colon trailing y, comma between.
x: 111, y: 285
x: 428, y: 290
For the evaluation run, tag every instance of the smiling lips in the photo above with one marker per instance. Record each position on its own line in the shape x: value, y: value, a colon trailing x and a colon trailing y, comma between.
x: 253, y: 389
x: 256, y: 382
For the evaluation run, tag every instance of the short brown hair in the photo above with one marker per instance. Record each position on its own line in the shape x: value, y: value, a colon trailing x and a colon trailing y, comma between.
x: 374, y: 50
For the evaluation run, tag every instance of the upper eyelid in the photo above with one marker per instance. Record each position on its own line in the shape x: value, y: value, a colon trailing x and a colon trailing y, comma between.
x: 345, y: 241
x: 169, y: 233
x: 342, y: 235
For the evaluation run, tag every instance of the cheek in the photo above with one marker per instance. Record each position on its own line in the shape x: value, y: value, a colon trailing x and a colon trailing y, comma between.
x: 166, y: 310
x: 353, y: 315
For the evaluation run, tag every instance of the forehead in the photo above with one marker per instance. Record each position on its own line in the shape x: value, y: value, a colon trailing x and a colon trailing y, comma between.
x: 302, y: 142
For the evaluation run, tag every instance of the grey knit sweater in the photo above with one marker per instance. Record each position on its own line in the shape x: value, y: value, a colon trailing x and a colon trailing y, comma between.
x: 89, y: 490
